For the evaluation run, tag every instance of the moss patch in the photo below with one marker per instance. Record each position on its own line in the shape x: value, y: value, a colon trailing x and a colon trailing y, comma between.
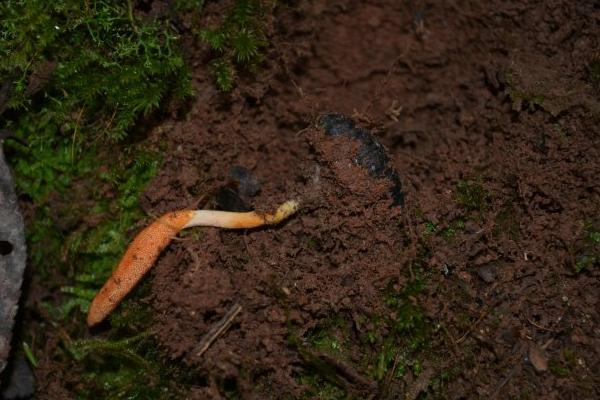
x: 588, y: 256
x: 90, y: 70
x: 239, y: 41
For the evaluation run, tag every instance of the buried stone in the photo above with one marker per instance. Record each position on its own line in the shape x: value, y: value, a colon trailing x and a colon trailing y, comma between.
x: 371, y: 154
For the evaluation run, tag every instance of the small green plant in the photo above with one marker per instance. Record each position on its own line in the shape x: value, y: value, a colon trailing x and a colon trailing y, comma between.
x: 329, y: 336
x: 454, y: 227
x: 124, y: 348
x: 430, y: 229
x: 29, y: 355
x: 449, y: 232
x: 239, y: 42
x: 521, y: 99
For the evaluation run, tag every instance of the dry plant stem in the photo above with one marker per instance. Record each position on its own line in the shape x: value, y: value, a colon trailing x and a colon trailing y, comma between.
x: 218, y: 329
x: 148, y: 244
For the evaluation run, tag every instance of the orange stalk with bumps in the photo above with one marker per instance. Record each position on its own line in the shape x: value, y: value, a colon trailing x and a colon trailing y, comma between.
x: 148, y: 244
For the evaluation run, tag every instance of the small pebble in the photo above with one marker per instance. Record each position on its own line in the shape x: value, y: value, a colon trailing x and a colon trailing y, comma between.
x: 538, y: 358
x: 487, y: 273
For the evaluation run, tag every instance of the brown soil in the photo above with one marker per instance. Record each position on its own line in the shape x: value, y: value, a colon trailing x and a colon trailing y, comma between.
x: 495, y: 94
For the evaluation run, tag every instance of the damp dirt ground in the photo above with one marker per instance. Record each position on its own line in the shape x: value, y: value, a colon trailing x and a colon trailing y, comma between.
x: 489, y: 113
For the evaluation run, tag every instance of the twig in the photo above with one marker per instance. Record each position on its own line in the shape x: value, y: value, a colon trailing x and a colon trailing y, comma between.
x: 218, y: 329
x: 451, y: 340
x: 346, y: 371
x: 539, y: 326
x: 464, y: 336
x: 504, y: 382
x: 384, y: 388
x: 547, y: 344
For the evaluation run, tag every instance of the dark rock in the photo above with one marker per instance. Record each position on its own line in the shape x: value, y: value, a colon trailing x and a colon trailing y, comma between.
x: 247, y: 183
x: 487, y: 272
x: 12, y: 258
x: 242, y: 185
x: 371, y: 154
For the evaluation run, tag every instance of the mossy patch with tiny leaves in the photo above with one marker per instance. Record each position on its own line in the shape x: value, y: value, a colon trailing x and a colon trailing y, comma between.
x: 239, y: 41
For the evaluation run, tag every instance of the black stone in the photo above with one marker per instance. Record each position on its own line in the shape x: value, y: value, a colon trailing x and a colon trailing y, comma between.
x: 371, y: 154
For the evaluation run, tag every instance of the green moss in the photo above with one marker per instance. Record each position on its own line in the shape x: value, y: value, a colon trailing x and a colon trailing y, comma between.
x: 520, y: 96
x: 558, y: 369
x: 430, y: 229
x: 565, y: 364
x: 330, y: 336
x: 88, y: 70
x: 392, y: 343
x: 456, y: 226
x: 320, y: 377
x: 129, y: 368
x: 448, y: 232
x: 188, y: 5
x: 439, y: 382
x: 320, y: 388
x: 239, y: 42
x: 311, y: 243
x: 569, y: 357
x: 409, y: 330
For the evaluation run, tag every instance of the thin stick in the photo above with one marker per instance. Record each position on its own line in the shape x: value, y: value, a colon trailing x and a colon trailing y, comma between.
x: 483, y: 314
x: 218, y: 329
x: 539, y: 326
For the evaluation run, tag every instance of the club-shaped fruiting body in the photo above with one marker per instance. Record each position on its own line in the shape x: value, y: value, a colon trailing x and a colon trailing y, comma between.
x: 148, y: 244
